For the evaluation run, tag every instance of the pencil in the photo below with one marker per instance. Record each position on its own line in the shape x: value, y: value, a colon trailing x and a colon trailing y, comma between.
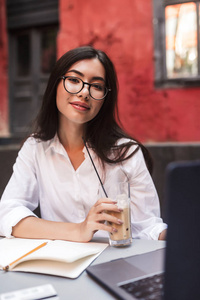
x: 6, y: 268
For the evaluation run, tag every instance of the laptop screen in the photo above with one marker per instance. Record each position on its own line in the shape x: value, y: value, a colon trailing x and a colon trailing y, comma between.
x: 182, y: 263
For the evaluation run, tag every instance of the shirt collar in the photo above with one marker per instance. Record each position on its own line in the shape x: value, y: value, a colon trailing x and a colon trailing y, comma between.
x: 91, y: 151
x: 56, y: 145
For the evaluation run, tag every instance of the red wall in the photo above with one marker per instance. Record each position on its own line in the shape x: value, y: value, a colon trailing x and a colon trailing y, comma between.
x: 124, y: 30
x: 3, y: 72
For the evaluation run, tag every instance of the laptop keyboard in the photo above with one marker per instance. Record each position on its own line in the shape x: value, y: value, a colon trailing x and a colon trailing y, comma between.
x: 148, y: 288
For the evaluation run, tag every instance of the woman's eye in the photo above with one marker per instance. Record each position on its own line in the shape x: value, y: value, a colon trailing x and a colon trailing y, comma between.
x: 98, y: 87
x: 73, y: 80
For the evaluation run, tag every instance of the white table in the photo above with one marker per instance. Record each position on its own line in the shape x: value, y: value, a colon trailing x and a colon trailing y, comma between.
x: 83, y: 287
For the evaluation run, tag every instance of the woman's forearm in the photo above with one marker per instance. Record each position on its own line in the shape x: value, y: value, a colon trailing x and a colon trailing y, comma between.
x: 32, y: 227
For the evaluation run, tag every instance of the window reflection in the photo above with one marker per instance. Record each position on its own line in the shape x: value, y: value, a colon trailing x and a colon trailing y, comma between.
x: 23, y: 54
x: 48, y: 49
x: 181, y: 40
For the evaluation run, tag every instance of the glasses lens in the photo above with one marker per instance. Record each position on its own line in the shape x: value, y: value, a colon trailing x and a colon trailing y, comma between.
x: 98, y: 91
x: 73, y: 84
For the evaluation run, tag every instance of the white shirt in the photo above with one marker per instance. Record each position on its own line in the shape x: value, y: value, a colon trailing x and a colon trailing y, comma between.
x: 43, y: 174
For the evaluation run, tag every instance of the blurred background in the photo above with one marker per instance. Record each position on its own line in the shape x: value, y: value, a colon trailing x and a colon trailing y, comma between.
x: 155, y: 46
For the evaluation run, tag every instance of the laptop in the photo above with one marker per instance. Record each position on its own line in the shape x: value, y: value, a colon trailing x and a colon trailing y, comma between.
x: 172, y: 273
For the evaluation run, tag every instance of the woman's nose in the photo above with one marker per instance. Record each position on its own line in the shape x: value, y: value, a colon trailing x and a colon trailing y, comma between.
x: 85, y: 93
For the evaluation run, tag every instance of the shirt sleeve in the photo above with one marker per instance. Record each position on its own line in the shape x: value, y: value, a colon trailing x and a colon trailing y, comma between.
x: 20, y: 196
x: 145, y: 205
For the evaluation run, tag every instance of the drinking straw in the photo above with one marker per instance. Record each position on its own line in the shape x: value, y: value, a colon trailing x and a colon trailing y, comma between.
x: 95, y: 168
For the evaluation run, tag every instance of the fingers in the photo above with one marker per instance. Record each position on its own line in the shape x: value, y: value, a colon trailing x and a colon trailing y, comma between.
x: 105, y: 200
x: 109, y: 218
x: 103, y: 226
x: 106, y: 204
x: 107, y: 208
x: 101, y: 216
x: 102, y: 221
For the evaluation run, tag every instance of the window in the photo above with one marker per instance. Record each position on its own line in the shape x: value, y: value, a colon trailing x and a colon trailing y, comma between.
x: 48, y: 49
x: 32, y: 31
x: 32, y: 57
x: 177, y: 43
x: 23, y: 54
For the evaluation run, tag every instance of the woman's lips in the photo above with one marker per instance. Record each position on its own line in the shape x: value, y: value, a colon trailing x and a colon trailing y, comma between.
x: 80, y: 106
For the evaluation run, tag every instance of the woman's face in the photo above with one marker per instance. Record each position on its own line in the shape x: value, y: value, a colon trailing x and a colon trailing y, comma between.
x: 80, y: 108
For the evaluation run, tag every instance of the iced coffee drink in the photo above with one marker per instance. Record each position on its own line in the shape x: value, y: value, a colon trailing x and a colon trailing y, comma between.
x: 123, y: 235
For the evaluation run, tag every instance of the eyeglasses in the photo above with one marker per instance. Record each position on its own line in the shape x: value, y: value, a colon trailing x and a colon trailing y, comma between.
x: 74, y: 85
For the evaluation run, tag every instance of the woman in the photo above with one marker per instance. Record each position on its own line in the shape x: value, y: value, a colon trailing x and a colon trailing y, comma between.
x: 53, y: 168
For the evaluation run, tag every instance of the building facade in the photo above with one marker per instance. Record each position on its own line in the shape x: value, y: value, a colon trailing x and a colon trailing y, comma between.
x: 124, y: 31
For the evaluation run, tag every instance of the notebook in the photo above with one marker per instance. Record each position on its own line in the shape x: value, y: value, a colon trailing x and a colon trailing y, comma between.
x: 175, y: 271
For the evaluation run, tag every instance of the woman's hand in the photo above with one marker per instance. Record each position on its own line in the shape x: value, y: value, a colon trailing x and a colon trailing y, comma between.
x: 95, y: 220
x: 32, y: 227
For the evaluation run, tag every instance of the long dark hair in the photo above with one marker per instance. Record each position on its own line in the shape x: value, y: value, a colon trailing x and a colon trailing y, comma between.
x: 102, y: 132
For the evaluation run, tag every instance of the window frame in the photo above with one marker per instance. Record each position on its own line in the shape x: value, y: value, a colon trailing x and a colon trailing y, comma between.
x: 160, y: 77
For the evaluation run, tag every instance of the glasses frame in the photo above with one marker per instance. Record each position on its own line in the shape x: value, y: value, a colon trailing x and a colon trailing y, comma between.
x: 83, y: 84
